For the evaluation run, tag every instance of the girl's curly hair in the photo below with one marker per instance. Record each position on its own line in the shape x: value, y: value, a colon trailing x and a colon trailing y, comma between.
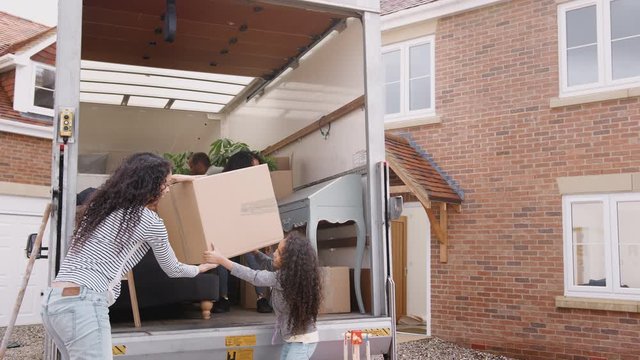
x: 138, y: 182
x: 301, y: 281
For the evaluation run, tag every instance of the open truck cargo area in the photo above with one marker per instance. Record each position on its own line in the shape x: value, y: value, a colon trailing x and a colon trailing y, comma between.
x: 297, y: 79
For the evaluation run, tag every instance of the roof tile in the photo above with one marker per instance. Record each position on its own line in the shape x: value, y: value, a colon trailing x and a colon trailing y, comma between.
x: 15, y: 32
x: 391, y: 6
x: 419, y: 170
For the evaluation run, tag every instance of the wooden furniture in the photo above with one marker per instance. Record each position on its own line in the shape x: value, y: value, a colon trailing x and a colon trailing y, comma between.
x: 134, y: 299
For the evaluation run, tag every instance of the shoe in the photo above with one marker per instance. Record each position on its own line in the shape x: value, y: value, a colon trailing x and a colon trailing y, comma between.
x: 263, y: 306
x: 221, y: 306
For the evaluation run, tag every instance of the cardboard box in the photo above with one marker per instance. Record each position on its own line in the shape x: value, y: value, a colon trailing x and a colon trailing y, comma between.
x: 282, y: 178
x: 248, y: 297
x: 234, y: 211
x: 335, y: 290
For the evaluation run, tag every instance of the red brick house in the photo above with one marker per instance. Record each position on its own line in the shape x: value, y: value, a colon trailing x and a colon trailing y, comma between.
x: 532, y: 107
x: 27, y: 56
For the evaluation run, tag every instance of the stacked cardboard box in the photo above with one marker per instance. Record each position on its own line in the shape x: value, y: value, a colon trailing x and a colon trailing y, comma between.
x: 282, y: 178
x: 235, y: 212
x: 335, y: 290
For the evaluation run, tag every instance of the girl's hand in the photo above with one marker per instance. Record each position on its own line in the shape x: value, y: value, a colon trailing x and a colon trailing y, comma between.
x: 214, y: 257
x: 206, y: 267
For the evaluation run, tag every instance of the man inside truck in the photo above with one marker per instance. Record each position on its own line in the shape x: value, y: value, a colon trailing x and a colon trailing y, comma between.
x: 199, y: 164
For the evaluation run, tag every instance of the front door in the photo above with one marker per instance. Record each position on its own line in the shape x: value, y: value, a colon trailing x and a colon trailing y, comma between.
x: 399, y: 251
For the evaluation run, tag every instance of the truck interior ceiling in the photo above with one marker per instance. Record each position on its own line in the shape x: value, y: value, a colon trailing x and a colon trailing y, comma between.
x: 172, y: 76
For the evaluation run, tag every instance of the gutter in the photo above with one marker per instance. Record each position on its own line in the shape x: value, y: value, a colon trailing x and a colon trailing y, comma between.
x: 7, y: 61
x: 17, y: 127
x: 431, y: 11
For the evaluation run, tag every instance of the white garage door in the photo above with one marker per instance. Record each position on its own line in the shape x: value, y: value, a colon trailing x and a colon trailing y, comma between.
x: 19, y: 217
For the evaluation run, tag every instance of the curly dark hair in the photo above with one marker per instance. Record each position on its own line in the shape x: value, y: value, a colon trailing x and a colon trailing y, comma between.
x: 301, y: 281
x: 138, y: 182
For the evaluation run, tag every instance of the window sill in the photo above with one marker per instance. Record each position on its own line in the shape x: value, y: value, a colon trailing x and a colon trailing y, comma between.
x: 598, y: 304
x: 595, y: 97
x: 405, y: 123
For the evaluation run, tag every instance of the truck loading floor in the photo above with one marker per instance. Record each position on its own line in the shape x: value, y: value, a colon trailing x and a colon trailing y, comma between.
x: 189, y: 318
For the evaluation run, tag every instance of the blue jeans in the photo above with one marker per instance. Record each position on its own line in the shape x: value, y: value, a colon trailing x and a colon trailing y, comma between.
x: 252, y: 263
x: 297, y: 351
x: 79, y: 324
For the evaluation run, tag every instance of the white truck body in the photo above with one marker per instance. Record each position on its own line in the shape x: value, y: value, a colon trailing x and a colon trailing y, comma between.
x: 339, y: 68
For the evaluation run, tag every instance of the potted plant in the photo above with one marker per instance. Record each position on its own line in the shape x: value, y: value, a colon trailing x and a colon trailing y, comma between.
x: 222, y: 149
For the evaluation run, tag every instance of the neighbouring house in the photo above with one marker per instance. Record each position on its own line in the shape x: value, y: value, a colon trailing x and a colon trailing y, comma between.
x: 27, y: 57
x: 531, y: 107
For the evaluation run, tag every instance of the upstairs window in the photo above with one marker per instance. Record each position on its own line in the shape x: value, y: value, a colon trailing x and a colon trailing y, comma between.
x: 599, y: 45
x: 409, y: 79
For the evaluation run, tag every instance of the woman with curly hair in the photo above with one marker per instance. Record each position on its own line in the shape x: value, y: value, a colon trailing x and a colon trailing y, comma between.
x: 114, y: 232
x: 296, y: 292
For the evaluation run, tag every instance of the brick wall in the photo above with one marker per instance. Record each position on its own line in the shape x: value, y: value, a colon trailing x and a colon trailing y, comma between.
x: 25, y: 159
x: 47, y: 55
x: 497, y: 69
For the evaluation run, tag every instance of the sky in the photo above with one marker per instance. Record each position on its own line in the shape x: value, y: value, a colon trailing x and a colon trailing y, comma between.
x: 40, y: 11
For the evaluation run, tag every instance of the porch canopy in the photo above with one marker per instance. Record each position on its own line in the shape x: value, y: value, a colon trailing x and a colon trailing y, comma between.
x: 416, y: 177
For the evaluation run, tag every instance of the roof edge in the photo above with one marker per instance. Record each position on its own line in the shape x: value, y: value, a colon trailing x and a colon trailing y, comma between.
x: 425, y: 155
x: 431, y: 11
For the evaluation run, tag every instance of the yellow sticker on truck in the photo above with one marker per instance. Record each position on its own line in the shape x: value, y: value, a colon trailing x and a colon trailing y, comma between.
x: 377, y: 331
x: 240, y: 340
x: 119, y: 350
x: 240, y: 354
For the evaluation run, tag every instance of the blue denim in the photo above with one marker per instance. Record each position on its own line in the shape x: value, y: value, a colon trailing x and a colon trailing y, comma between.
x: 223, y: 282
x: 79, y: 324
x: 252, y: 263
x: 297, y: 351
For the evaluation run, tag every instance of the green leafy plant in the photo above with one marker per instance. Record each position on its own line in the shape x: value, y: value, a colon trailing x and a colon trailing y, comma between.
x: 179, y: 162
x: 222, y: 149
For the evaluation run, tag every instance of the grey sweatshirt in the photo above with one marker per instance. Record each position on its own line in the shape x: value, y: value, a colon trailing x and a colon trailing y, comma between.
x: 270, y: 278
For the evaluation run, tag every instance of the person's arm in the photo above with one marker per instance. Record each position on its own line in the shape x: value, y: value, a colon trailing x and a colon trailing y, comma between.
x: 176, y: 178
x: 264, y: 261
x: 255, y: 277
x: 158, y: 240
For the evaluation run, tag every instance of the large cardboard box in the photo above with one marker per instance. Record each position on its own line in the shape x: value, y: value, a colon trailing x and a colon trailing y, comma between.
x: 335, y: 290
x: 282, y: 178
x: 248, y: 297
x: 234, y: 211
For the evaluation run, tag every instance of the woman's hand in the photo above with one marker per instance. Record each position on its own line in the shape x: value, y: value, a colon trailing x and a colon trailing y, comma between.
x: 176, y: 178
x: 206, y: 267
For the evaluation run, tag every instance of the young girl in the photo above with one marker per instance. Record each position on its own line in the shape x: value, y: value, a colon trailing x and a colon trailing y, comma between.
x: 296, y: 292
x: 115, y: 230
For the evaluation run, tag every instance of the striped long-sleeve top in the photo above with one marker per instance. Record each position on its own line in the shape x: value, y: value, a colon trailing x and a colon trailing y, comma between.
x: 100, y: 264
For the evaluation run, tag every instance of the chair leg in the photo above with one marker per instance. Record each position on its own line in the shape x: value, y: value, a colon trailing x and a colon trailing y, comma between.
x: 206, y: 306
x: 134, y: 300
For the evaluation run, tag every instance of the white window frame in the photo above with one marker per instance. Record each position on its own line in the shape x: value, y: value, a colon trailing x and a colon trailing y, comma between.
x: 25, y: 85
x: 34, y: 108
x: 605, y: 68
x: 612, y: 290
x: 405, y: 114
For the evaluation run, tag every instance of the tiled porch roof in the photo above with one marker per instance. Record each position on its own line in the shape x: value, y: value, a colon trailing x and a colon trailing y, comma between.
x: 420, y: 174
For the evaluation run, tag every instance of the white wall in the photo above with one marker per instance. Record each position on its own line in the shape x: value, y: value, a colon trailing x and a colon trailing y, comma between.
x: 122, y: 130
x: 328, y: 78
x: 418, y: 260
